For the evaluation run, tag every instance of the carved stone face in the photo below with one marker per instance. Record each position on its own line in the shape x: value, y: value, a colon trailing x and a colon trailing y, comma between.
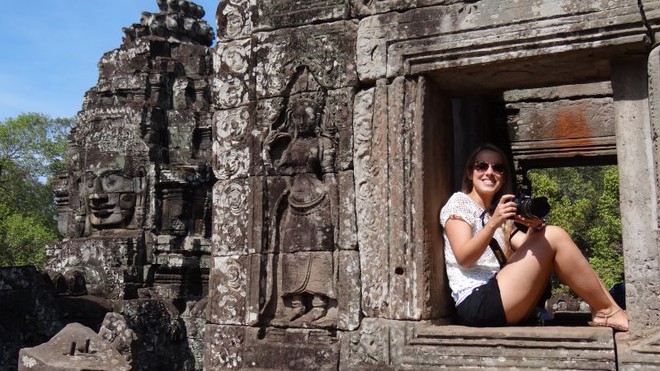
x: 305, y: 115
x: 110, y: 197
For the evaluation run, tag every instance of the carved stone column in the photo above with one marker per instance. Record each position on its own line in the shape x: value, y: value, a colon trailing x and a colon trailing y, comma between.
x: 639, y: 217
x: 403, y: 148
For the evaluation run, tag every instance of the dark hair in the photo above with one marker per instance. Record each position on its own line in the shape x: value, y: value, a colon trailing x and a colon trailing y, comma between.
x: 469, y: 167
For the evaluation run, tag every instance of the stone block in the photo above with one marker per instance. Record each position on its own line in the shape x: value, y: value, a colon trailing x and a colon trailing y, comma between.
x: 274, y: 14
x: 368, y: 348
x: 561, y: 122
x: 328, y: 50
x: 574, y: 348
x: 108, y: 264
x: 638, y: 352
x: 180, y: 127
x: 237, y: 143
x: 28, y: 313
x: 195, y: 59
x: 161, y: 342
x: 346, y: 221
x: 386, y: 344
x: 572, y: 119
x: 370, y: 161
x: 134, y: 57
x: 75, y: 348
x: 349, y: 298
x: 237, y: 347
x: 370, y: 7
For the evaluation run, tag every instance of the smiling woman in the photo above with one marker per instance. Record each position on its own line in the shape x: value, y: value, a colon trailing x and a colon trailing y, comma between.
x: 497, y: 275
x: 49, y: 64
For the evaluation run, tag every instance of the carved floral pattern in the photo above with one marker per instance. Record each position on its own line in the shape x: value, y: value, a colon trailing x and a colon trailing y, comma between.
x: 235, y: 58
x: 230, y: 162
x: 232, y: 213
x: 229, y: 290
x: 233, y: 19
x: 232, y: 153
x: 225, y: 348
x: 229, y: 91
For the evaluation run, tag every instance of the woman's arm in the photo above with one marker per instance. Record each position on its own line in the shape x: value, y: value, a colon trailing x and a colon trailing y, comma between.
x: 468, y: 248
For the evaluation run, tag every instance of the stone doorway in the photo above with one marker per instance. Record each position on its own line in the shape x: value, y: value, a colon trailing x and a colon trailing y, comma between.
x: 407, y: 83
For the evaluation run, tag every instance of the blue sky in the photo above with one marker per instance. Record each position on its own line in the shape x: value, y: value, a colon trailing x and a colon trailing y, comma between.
x: 50, y: 49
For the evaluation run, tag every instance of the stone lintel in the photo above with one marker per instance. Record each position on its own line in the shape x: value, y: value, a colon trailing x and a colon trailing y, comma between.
x: 371, y: 7
x: 273, y: 14
x: 450, y: 36
x: 557, y: 149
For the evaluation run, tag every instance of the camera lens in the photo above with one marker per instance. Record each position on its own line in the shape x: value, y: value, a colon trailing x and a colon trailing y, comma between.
x: 537, y: 207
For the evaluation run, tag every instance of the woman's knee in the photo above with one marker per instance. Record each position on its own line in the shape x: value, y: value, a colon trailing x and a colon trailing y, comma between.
x: 557, y: 236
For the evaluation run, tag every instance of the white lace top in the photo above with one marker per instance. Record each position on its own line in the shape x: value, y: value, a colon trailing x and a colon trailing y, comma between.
x: 463, y: 281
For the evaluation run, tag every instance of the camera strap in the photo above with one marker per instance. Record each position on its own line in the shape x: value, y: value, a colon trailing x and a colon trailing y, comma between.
x: 494, y: 246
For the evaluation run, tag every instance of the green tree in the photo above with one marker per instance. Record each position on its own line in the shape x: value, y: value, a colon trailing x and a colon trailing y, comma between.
x: 32, y: 150
x: 585, y: 202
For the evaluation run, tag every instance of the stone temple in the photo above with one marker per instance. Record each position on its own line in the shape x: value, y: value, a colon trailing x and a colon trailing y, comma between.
x: 271, y: 201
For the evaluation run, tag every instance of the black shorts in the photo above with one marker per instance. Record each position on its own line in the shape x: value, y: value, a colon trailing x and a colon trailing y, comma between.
x: 483, y: 307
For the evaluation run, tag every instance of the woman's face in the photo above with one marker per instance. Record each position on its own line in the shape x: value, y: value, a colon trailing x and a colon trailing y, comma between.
x: 488, y: 173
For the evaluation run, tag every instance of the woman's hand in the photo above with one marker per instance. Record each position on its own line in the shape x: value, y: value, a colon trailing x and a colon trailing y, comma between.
x: 506, y: 209
x: 534, y: 224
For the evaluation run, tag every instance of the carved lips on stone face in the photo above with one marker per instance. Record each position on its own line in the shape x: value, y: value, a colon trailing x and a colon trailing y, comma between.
x: 111, y: 197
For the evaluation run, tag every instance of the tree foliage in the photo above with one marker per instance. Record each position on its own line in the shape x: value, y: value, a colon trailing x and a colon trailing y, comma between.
x: 32, y: 150
x: 585, y: 202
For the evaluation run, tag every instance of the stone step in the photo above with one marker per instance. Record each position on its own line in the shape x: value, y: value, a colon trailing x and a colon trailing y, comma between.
x: 549, y: 347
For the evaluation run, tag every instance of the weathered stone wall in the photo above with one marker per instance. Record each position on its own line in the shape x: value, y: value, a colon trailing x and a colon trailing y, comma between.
x: 365, y: 104
x: 323, y: 136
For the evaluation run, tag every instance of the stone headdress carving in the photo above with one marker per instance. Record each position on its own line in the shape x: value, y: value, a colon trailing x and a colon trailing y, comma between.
x: 178, y: 21
x: 304, y: 93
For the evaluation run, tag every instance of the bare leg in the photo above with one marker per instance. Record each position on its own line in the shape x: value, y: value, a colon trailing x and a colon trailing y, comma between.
x: 523, y: 279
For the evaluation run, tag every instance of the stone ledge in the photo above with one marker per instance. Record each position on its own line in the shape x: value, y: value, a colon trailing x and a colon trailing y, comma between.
x: 505, y: 347
x: 414, y: 345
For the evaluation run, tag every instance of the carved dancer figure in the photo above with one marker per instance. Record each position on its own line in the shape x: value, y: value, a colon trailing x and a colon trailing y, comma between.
x: 487, y: 295
x: 305, y: 233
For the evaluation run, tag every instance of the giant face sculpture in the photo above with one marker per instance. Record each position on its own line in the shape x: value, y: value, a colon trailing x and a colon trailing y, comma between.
x: 111, y: 196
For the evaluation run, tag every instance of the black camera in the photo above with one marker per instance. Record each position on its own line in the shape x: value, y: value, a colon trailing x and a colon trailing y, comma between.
x: 532, y: 207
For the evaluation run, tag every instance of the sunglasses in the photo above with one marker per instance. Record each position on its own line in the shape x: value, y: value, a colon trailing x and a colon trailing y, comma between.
x: 482, y: 166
